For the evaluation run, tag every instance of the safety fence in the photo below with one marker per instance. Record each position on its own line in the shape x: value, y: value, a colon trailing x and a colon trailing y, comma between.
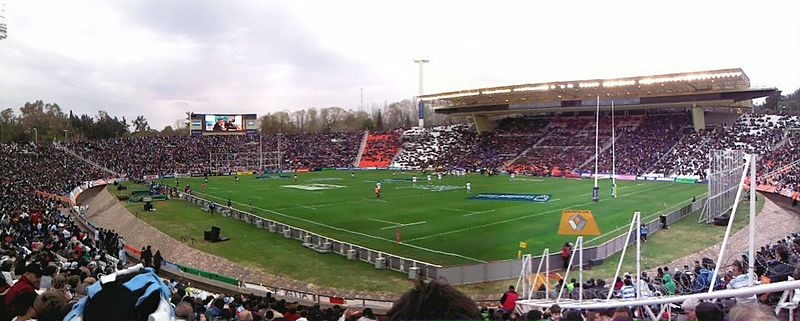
x: 323, y: 244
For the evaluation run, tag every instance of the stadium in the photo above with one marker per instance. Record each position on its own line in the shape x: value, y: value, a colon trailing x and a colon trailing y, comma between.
x: 668, y: 196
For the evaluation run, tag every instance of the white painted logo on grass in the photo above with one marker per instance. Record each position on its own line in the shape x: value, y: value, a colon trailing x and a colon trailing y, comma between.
x: 314, y: 187
x: 433, y: 188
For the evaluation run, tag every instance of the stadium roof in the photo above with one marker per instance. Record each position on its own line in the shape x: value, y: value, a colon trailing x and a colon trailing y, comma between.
x: 714, y: 88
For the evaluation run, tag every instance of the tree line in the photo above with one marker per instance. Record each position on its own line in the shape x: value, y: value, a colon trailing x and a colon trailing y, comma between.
x: 402, y: 114
x: 48, y: 121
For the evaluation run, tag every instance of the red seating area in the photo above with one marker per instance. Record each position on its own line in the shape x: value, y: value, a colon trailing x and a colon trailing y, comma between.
x: 380, y: 150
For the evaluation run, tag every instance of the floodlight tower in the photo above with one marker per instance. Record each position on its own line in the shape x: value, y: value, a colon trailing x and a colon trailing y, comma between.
x: 3, y: 30
x: 421, y: 105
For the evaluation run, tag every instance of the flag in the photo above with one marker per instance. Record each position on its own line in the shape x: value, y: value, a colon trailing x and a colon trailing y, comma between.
x: 397, y: 234
x: 523, y: 245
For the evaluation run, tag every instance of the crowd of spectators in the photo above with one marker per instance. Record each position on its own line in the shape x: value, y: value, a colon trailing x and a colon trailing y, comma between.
x: 381, y: 148
x: 430, y: 148
x: 568, y: 143
x: 42, y: 246
x: 781, y: 168
x: 141, y: 156
x: 751, y: 132
x: 642, y: 141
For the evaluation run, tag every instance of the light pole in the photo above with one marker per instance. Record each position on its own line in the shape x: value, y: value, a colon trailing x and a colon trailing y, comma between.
x: 36, y: 135
x: 420, y: 63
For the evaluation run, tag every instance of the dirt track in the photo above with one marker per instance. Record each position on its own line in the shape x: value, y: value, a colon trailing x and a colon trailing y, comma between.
x: 772, y: 224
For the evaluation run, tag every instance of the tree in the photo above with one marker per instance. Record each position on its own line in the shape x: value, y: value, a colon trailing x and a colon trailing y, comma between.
x: 379, y: 121
x: 140, y: 124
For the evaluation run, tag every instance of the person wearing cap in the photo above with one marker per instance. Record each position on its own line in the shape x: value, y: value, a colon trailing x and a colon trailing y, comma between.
x: 28, y: 283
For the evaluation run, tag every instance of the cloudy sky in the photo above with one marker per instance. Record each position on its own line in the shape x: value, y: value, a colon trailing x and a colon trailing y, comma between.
x: 163, y: 58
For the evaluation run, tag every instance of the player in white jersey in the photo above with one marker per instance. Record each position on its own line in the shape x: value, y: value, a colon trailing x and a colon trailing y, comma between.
x: 439, y: 175
x: 414, y: 179
x: 469, y: 187
x: 429, y: 179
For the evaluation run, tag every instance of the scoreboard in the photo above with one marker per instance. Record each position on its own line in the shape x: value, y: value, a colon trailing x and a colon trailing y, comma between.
x: 223, y: 124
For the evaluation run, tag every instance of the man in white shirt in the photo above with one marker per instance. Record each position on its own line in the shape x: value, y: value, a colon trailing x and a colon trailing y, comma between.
x: 740, y: 280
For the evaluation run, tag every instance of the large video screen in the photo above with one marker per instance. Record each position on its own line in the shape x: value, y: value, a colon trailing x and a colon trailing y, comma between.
x: 223, y: 123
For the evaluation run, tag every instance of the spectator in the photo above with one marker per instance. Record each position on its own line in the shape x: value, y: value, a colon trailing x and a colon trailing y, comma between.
x: 751, y: 311
x: 60, y: 285
x: 184, y: 311
x: 533, y: 315
x: 509, y: 299
x: 572, y: 315
x: 689, y: 307
x: 28, y: 283
x: 147, y: 257
x: 669, y: 284
x: 740, y: 280
x: 555, y: 312
x: 157, y: 261
x: 643, y: 232
x: 432, y: 300
x: 47, y: 307
x: 708, y: 311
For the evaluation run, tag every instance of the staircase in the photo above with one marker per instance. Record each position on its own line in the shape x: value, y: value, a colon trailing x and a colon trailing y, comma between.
x: 361, y: 148
x: 603, y: 149
x: 525, y: 152
x: 669, y: 152
x: 96, y: 165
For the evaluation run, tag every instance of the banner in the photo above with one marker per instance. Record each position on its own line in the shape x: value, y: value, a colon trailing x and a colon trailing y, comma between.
x: 685, y: 180
x: 63, y: 199
x: 150, y: 177
x: 578, y: 222
x: 244, y: 173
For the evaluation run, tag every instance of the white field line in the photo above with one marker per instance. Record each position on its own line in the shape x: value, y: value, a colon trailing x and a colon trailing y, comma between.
x: 308, y: 207
x: 476, y: 213
x: 383, y: 221
x: 458, y: 210
x: 359, y: 233
x: 403, y: 225
x: 587, y: 194
x: 362, y: 200
x: 519, y: 218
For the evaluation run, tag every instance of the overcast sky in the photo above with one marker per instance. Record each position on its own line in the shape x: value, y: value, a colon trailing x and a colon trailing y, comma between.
x: 163, y: 58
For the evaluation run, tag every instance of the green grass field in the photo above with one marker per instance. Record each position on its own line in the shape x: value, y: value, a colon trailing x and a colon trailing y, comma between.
x: 440, y: 227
